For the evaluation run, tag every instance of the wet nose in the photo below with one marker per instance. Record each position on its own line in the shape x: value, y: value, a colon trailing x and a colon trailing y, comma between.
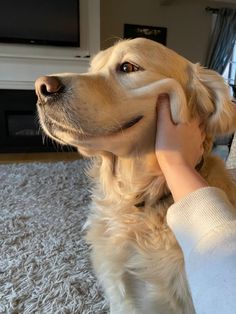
x: 48, y: 86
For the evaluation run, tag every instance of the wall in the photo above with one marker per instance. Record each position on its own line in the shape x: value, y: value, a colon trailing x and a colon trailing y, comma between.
x: 189, y: 25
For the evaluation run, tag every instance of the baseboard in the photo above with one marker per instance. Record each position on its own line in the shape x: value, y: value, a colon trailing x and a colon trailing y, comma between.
x: 41, y: 157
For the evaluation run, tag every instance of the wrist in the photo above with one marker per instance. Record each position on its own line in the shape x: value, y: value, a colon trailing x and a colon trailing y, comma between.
x: 171, y: 162
x: 182, y: 179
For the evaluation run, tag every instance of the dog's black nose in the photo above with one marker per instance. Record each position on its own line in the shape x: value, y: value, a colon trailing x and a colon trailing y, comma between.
x: 48, y: 86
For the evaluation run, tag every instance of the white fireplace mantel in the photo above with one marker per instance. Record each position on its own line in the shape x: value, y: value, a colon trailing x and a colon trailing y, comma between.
x: 21, y: 73
x: 20, y: 65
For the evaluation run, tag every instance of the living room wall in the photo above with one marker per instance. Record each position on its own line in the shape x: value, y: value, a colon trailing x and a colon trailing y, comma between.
x: 188, y: 24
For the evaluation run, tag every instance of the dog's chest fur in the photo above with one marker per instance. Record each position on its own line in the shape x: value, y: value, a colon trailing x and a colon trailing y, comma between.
x: 134, y: 253
x: 136, y: 248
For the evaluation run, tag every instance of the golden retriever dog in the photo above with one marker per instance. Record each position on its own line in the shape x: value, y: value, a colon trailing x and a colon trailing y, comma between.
x: 109, y: 114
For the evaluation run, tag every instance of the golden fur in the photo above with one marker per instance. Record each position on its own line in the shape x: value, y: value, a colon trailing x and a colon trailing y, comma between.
x: 110, y: 114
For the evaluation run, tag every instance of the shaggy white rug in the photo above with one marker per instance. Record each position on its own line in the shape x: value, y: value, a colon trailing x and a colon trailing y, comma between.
x: 44, y: 260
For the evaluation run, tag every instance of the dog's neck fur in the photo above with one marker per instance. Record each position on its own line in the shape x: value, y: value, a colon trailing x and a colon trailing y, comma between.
x: 128, y: 181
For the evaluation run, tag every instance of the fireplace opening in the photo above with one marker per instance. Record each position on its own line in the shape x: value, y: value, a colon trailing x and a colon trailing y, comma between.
x: 19, y: 127
x: 21, y: 124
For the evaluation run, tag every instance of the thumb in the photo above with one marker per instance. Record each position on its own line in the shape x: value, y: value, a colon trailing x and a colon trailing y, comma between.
x: 163, y: 109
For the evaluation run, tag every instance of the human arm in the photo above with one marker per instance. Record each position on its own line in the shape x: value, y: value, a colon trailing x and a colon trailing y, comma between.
x: 202, y: 219
x: 204, y: 225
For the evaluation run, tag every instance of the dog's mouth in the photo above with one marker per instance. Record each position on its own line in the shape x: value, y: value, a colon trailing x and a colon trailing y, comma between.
x: 129, y: 124
x: 67, y: 135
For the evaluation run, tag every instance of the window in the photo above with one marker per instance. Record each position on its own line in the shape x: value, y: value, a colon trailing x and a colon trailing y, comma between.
x: 230, y: 71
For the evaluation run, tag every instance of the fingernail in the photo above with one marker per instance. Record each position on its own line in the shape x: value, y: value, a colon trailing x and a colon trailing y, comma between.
x: 163, y: 97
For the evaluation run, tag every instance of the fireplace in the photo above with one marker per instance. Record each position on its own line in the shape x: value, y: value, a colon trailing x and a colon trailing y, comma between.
x: 19, y: 127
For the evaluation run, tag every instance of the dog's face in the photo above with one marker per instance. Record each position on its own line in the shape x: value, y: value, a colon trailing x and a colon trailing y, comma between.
x: 113, y: 106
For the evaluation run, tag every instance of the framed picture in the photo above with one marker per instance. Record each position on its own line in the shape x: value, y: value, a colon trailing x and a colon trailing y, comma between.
x: 158, y: 34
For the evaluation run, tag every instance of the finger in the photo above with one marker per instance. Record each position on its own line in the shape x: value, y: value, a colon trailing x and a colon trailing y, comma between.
x: 163, y: 97
x: 197, y: 124
x: 201, y: 128
x: 203, y: 135
x: 203, y: 131
x: 163, y: 108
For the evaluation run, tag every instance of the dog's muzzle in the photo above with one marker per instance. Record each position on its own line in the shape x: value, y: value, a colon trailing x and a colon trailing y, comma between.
x: 59, y: 119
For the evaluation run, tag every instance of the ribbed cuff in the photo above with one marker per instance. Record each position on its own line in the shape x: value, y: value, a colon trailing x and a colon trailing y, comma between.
x: 197, y: 214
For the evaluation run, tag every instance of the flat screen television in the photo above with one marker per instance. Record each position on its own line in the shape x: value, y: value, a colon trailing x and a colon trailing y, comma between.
x: 44, y: 22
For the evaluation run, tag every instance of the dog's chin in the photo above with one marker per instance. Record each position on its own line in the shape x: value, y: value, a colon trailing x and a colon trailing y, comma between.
x: 120, y: 141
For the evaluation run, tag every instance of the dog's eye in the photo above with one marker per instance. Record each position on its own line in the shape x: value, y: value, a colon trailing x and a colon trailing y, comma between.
x: 128, y: 67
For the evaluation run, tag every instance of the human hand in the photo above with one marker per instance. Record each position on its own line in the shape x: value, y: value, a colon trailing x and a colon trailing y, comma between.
x: 176, y: 143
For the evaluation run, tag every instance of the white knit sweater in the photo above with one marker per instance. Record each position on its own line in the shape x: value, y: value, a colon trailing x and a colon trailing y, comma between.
x: 204, y: 224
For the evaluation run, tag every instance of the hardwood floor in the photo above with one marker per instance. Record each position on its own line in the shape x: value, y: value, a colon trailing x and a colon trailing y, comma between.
x: 42, y: 157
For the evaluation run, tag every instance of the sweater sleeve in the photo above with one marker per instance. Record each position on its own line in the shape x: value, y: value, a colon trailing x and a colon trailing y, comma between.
x: 204, y: 224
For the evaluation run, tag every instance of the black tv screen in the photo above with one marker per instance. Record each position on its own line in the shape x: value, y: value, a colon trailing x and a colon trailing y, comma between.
x: 44, y: 22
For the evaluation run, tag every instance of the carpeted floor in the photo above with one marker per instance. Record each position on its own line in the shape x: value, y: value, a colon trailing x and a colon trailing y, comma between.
x: 44, y: 260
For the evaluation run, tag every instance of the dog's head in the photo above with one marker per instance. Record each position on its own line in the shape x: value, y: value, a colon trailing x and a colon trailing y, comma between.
x: 112, y: 108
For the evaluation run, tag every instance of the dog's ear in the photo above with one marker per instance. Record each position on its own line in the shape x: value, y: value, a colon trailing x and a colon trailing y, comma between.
x: 209, y: 94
